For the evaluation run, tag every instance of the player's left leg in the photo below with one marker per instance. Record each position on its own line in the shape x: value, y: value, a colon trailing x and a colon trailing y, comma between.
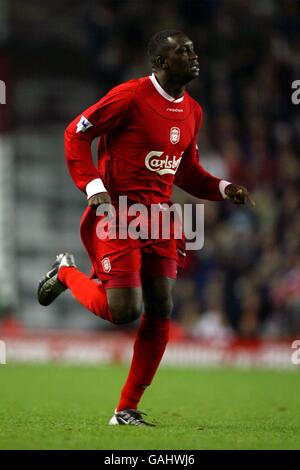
x: 152, y: 335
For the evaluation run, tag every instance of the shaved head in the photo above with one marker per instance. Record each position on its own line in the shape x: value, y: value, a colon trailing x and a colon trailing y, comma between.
x: 173, y: 59
x: 160, y: 43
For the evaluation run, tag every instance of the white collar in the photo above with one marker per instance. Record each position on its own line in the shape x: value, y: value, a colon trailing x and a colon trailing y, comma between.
x: 162, y: 92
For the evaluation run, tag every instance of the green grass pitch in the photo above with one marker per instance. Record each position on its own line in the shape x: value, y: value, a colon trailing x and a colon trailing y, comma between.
x: 68, y: 407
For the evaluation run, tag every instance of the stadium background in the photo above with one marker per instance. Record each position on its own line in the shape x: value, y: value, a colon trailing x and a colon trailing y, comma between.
x: 238, y: 302
x: 57, y: 58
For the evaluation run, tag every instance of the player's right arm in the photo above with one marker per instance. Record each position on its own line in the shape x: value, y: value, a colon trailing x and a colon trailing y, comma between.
x: 100, y: 119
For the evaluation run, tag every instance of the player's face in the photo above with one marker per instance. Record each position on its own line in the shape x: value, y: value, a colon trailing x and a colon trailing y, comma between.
x: 181, y: 59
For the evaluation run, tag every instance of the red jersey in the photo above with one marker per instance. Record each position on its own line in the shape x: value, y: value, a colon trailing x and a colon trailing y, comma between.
x: 147, y: 142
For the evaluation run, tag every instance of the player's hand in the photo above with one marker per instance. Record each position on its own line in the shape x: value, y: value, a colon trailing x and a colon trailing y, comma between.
x: 238, y: 194
x: 99, y: 199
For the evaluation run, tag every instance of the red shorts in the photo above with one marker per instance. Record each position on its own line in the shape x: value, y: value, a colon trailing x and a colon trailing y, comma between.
x: 125, y: 263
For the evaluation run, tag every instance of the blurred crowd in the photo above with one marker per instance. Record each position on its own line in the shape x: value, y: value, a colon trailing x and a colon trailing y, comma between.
x: 246, y: 279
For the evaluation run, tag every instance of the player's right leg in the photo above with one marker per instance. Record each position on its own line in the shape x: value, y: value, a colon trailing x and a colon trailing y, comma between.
x: 120, y: 302
x: 49, y: 286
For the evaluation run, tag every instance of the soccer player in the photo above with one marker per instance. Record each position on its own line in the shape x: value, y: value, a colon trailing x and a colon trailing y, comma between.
x: 147, y: 130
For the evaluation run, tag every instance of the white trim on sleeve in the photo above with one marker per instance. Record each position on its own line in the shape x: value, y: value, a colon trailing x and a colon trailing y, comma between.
x: 222, y: 185
x: 94, y: 187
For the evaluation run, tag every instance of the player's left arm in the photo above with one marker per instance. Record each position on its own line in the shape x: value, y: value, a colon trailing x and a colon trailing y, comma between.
x: 194, y: 179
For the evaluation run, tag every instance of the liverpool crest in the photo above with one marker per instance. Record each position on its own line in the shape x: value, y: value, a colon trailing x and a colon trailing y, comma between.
x: 106, y: 265
x: 174, y: 135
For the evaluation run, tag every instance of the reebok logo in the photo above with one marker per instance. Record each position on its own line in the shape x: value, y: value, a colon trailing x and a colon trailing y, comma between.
x: 175, y: 110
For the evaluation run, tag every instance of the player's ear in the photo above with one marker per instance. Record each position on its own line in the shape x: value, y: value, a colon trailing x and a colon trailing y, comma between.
x: 160, y: 60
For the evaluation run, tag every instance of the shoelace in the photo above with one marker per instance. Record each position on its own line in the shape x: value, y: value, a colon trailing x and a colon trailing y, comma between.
x: 136, y: 417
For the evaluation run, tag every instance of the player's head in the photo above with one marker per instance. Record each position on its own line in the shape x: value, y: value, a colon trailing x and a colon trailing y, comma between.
x: 173, y: 52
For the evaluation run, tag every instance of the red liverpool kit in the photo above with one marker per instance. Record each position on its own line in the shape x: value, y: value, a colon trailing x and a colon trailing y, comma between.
x: 147, y: 143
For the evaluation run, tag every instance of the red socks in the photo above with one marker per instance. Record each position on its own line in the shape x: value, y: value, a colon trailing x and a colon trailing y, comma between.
x: 149, y: 347
x: 150, y: 343
x: 88, y: 292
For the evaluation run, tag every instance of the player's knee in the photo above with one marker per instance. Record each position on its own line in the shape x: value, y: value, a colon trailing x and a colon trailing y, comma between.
x: 161, y: 307
x: 125, y: 305
x: 122, y: 314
